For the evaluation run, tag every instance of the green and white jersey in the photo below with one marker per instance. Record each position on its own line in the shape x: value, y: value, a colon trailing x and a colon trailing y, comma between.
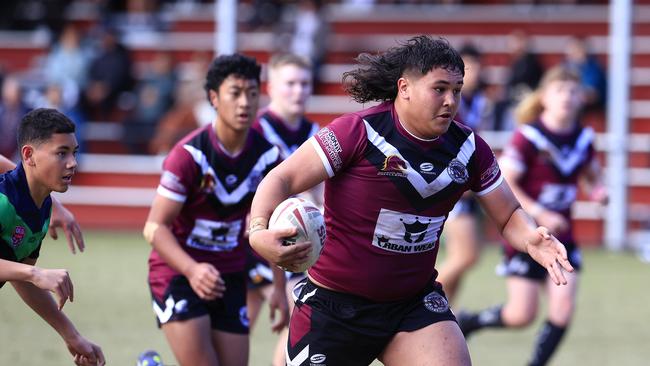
x: 22, y: 225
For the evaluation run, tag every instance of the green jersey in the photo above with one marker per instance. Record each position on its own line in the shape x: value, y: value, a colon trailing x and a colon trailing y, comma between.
x: 23, y: 225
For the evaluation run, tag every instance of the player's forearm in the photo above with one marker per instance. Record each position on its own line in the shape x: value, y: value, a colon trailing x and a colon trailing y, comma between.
x: 168, y: 247
x: 15, y: 271
x: 271, y: 191
x: 6, y: 164
x: 44, y: 305
x: 519, y: 230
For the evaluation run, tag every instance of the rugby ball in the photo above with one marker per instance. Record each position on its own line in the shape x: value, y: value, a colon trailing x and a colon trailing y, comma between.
x: 307, y: 218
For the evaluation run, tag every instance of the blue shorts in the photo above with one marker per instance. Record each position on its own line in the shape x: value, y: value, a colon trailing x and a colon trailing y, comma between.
x: 334, y: 328
x: 523, y: 265
x: 227, y: 314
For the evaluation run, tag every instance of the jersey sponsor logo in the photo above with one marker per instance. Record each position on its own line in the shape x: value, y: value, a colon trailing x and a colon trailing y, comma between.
x: 394, y: 166
x: 426, y: 168
x: 435, y: 303
x: 318, y: 359
x: 18, y: 236
x: 214, y: 236
x: 457, y: 171
x: 332, y: 147
x: 171, y: 181
x: 405, y: 233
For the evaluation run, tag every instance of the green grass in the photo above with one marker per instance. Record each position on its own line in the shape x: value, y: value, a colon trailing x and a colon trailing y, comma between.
x: 112, y: 307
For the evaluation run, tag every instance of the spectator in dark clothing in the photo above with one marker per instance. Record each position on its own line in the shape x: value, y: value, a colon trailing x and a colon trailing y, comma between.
x: 109, y: 75
x: 12, y: 110
x: 592, y: 73
x: 525, y: 72
x: 154, y: 97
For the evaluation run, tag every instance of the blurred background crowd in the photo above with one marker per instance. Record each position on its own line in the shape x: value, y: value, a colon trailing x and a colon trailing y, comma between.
x: 130, y: 73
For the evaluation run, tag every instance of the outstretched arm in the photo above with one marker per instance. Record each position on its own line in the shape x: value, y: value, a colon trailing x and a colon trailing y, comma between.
x: 520, y: 230
x: 44, y: 305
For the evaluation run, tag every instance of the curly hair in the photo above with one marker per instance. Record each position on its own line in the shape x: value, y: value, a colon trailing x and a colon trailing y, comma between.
x: 376, y: 79
x: 224, y: 66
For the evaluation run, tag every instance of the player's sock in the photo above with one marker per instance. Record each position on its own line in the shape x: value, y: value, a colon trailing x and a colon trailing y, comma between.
x: 470, y: 322
x: 548, y: 339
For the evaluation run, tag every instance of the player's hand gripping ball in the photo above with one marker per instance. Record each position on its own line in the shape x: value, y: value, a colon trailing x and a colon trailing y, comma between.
x: 307, y: 219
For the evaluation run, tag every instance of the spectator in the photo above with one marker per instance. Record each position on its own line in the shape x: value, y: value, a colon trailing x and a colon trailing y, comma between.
x: 54, y: 98
x: 154, y: 96
x: 109, y: 75
x: 67, y: 64
x: 190, y: 109
x: 309, y: 36
x: 476, y: 109
x: 592, y: 74
x: 525, y: 73
x: 12, y: 110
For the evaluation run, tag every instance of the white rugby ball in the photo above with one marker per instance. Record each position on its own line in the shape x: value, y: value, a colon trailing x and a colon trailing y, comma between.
x: 307, y: 218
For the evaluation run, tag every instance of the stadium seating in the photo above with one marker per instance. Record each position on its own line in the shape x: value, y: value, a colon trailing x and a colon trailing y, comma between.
x: 115, y: 190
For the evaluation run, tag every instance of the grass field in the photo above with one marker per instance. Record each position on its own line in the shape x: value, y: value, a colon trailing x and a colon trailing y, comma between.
x: 112, y: 307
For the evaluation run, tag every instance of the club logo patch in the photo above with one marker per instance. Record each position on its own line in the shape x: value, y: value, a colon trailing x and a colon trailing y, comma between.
x: 436, y: 303
x: 18, y: 236
x: 393, y: 166
x: 457, y: 171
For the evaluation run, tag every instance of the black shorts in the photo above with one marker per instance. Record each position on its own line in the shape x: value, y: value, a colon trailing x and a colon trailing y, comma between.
x: 333, y: 328
x: 227, y: 314
x: 260, y: 274
x: 523, y: 265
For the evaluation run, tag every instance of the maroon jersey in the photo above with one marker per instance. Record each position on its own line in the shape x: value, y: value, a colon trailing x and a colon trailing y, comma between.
x: 550, y: 165
x: 216, y: 190
x: 276, y: 131
x: 388, y: 197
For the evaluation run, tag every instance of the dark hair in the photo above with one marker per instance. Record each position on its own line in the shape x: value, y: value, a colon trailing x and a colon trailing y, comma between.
x: 377, y: 77
x: 40, y: 124
x: 224, y: 66
x: 470, y: 50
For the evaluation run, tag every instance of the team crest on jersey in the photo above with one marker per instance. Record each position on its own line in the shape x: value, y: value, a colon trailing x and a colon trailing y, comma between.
x: 207, y: 183
x: 393, y: 166
x: 18, y: 236
x: 436, y: 303
x: 404, y: 233
x: 457, y: 171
